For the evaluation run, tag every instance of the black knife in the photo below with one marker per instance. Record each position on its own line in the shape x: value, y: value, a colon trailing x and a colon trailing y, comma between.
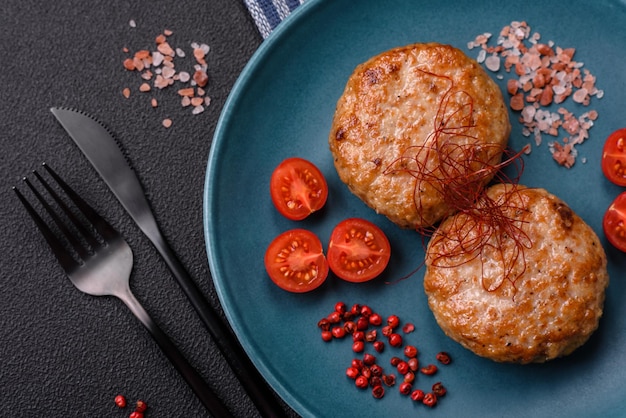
x: 104, y: 153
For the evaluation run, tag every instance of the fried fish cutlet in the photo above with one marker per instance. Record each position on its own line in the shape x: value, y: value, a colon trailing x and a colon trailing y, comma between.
x: 531, y: 294
x: 398, y: 114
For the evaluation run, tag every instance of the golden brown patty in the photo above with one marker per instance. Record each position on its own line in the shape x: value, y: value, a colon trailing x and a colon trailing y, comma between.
x: 543, y: 302
x: 398, y: 111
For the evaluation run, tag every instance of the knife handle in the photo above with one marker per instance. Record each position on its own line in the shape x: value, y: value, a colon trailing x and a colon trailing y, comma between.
x: 254, y: 384
x: 207, y: 396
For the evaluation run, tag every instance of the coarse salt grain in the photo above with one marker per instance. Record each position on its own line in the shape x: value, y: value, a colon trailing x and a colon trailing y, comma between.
x: 546, y: 74
x: 158, y: 66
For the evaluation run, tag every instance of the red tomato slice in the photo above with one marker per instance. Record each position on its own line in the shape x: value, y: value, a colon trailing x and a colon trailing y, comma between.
x: 295, y: 261
x: 298, y: 188
x: 358, y: 250
x: 614, y: 157
x: 614, y: 222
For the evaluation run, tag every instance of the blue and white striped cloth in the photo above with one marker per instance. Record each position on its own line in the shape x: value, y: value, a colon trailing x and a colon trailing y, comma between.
x: 267, y: 14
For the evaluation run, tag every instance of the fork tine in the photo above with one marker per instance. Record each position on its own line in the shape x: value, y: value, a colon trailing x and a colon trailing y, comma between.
x: 65, y: 258
x: 76, y: 244
x: 103, y: 227
x: 86, y: 233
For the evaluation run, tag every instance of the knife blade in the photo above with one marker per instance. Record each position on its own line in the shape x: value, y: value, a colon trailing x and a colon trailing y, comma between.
x: 106, y: 156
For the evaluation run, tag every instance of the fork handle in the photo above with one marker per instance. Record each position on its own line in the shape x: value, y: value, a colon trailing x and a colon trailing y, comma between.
x: 208, y: 397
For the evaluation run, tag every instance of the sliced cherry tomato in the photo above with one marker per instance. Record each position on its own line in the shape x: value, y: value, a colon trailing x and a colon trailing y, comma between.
x: 358, y: 250
x: 295, y: 261
x: 614, y: 157
x: 614, y: 222
x: 298, y: 188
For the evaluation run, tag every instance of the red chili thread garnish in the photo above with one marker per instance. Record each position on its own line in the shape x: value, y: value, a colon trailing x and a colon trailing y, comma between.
x: 457, y: 166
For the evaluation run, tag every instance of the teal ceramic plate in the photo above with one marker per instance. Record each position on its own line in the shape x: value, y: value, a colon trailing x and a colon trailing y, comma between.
x: 282, y: 106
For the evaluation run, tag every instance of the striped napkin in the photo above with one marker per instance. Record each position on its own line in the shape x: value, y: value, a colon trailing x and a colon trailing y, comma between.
x: 267, y: 14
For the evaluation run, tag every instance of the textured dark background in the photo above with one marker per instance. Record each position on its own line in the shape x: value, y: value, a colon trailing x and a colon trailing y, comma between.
x: 63, y: 353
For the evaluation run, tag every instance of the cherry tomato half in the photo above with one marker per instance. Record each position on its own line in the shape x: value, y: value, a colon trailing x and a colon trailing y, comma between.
x: 298, y: 188
x: 614, y: 222
x: 614, y: 157
x: 295, y: 261
x: 358, y: 250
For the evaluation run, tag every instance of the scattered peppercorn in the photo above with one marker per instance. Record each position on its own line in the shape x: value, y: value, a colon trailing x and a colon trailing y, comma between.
x: 358, y: 322
x: 444, y: 358
x: 417, y: 395
x: 439, y: 390
x: 429, y: 370
x: 429, y: 400
x: 378, y: 391
x: 120, y: 401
